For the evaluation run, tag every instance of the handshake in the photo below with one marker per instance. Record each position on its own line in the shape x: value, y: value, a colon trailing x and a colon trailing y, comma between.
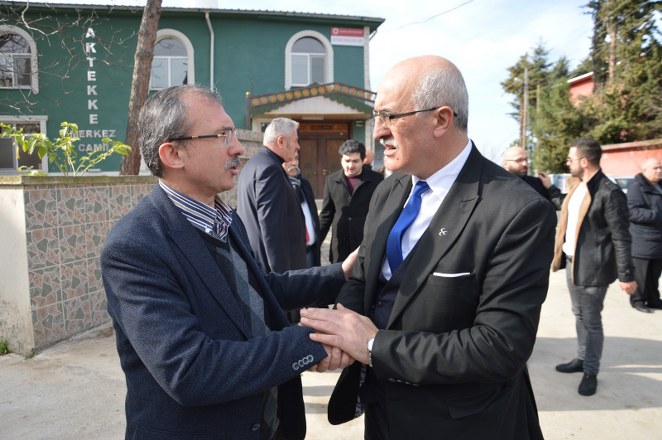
x: 343, y: 333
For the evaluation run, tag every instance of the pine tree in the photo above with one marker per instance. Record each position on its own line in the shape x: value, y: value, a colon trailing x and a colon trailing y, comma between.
x: 627, y: 61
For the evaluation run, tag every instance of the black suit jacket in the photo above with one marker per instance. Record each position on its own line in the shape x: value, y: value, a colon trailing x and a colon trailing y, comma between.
x: 453, y: 355
x: 269, y: 208
x: 345, y: 213
x: 193, y: 370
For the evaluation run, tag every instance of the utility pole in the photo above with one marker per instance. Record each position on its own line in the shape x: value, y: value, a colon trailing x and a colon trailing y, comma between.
x: 524, y: 111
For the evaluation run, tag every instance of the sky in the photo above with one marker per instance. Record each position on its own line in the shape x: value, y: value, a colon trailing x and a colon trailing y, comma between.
x: 482, y: 37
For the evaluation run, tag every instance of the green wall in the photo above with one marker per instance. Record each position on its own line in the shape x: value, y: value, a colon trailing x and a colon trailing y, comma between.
x: 249, y: 55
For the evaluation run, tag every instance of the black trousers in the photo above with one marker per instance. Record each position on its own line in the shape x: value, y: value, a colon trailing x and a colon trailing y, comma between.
x: 647, y: 275
x: 373, y: 398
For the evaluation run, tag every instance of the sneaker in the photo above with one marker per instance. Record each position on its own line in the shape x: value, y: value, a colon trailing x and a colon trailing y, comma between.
x: 574, y: 366
x: 588, y: 385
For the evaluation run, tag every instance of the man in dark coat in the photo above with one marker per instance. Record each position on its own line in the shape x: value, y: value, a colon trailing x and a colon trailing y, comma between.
x: 201, y: 334
x: 267, y: 203
x: 347, y: 195
x: 306, y: 198
x: 593, y: 244
x: 516, y: 160
x: 449, y: 325
x: 645, y: 205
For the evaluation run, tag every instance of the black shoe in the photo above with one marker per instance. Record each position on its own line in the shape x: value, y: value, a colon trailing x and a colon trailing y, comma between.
x: 642, y: 309
x: 588, y: 385
x: 574, y: 366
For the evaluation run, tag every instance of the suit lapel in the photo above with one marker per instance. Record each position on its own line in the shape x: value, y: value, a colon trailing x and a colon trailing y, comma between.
x: 189, y: 242
x: 385, y: 220
x: 444, y: 230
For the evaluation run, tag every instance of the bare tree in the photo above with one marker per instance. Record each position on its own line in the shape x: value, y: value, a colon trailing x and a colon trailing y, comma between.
x: 140, y: 83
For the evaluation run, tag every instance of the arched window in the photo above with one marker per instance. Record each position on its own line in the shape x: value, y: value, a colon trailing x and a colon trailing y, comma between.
x: 18, y: 59
x: 173, y: 60
x: 309, y: 60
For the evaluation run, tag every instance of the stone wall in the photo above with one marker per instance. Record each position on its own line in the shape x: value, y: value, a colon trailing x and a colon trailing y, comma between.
x: 51, y: 287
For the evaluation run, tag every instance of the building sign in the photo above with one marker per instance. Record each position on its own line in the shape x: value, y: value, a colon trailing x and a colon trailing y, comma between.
x: 347, y: 36
x: 91, y: 135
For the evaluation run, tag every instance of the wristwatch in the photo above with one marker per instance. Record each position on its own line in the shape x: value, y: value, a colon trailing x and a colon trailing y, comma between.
x: 370, y: 342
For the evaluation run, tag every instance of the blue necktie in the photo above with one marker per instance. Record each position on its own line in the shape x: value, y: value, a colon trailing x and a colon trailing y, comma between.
x: 407, y: 216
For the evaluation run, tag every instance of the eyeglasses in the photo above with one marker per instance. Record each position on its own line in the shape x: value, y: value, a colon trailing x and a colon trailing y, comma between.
x: 522, y: 160
x: 227, y: 136
x: 385, y: 117
x: 572, y: 159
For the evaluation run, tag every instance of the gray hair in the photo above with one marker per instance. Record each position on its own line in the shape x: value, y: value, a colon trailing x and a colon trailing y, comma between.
x: 444, y: 87
x: 279, y: 127
x: 165, y: 116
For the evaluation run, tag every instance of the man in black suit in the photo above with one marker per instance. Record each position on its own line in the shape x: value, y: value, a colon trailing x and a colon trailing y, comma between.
x: 347, y: 196
x: 451, y: 304
x: 306, y: 198
x: 516, y: 160
x: 267, y: 203
x: 202, y: 338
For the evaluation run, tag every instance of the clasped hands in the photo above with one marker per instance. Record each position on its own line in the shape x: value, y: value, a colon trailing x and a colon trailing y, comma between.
x: 343, y: 333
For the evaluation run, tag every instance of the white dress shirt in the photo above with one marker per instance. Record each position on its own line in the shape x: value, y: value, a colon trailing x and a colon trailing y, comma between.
x: 440, y: 183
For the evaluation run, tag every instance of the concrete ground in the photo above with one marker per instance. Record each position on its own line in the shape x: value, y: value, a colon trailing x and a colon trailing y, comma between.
x: 75, y: 389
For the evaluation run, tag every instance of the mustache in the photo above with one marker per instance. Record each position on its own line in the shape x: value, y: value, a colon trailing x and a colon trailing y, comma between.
x: 234, y: 162
x: 389, y: 142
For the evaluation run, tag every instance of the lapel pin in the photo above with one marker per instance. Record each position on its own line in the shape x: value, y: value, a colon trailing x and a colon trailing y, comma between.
x: 443, y: 231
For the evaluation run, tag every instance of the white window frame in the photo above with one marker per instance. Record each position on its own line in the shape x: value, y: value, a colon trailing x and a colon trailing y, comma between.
x: 34, y: 77
x: 328, y: 74
x: 190, y: 52
x: 13, y: 120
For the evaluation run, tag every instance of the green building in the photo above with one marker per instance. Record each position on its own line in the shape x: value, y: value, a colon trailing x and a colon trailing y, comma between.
x: 75, y: 63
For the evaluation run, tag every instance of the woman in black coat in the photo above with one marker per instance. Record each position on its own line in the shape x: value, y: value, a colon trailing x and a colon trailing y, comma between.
x: 645, y: 204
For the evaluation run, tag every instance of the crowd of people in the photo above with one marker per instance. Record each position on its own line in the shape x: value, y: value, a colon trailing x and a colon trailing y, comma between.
x: 437, y: 274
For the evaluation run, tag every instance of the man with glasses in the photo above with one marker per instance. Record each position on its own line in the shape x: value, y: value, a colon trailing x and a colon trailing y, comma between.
x: 204, y: 343
x: 593, y: 244
x: 442, y: 307
x: 516, y: 160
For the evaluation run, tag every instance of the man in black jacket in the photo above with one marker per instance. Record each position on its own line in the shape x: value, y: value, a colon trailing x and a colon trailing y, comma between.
x: 268, y: 205
x: 645, y: 204
x: 347, y: 195
x: 593, y: 243
x: 516, y: 160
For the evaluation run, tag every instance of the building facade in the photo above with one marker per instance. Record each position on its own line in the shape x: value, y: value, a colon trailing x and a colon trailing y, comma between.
x: 74, y: 63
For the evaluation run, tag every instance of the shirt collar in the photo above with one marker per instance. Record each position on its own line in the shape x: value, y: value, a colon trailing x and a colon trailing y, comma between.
x: 442, y: 180
x: 214, y: 221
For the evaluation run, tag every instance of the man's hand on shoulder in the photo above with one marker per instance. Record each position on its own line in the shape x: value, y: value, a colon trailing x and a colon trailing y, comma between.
x: 545, y: 179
